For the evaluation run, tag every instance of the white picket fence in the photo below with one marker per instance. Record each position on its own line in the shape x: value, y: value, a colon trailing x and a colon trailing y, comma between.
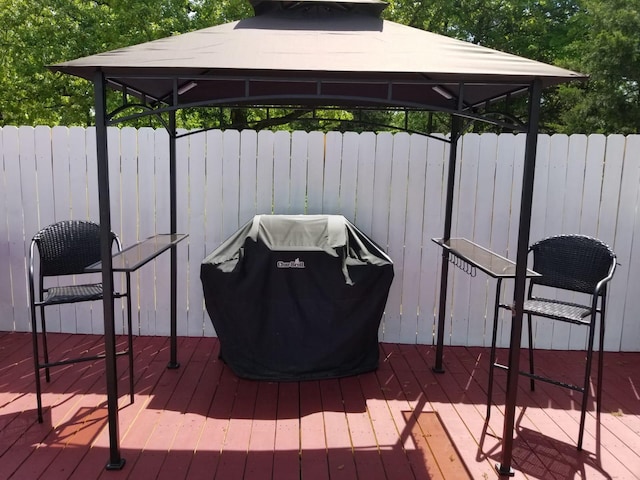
x: 391, y: 186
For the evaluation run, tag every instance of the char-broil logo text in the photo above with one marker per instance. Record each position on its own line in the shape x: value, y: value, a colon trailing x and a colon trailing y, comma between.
x: 297, y: 263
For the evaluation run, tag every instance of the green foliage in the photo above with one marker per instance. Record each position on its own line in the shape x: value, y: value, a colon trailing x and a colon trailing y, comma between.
x: 592, y: 36
x: 217, y: 12
x: 39, y: 34
x: 609, y: 52
x: 44, y: 32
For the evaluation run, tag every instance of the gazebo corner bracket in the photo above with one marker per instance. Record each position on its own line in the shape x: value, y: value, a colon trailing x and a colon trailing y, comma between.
x: 111, y: 118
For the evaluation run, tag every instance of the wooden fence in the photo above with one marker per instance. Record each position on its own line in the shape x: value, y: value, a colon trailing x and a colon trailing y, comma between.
x: 391, y: 186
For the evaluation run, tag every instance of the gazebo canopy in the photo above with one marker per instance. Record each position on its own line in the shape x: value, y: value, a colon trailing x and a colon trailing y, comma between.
x: 307, y: 54
x: 315, y: 52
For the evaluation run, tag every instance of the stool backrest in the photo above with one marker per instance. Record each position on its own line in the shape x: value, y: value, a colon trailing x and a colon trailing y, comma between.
x: 572, y: 262
x: 68, y: 247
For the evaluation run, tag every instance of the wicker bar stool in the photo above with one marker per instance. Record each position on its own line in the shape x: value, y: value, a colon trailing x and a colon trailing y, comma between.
x: 579, y: 264
x: 63, y: 249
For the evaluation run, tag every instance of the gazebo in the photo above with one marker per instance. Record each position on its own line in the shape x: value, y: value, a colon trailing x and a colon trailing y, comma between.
x: 308, y: 55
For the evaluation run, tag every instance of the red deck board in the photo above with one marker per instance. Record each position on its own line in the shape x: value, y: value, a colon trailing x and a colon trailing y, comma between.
x: 390, y: 443
x: 399, y: 422
x: 438, y: 456
x: 204, y: 373
x: 313, y: 448
x: 148, y: 412
x: 233, y: 458
x: 263, y: 430
x: 168, y: 418
x: 286, y: 458
x: 365, y: 448
x: 216, y: 423
x: 447, y: 398
x: 400, y: 397
x: 339, y: 447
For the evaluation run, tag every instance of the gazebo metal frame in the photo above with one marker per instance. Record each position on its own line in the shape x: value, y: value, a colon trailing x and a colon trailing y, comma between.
x: 163, y: 86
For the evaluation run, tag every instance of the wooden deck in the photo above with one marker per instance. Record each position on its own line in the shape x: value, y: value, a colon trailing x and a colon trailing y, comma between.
x: 400, y: 422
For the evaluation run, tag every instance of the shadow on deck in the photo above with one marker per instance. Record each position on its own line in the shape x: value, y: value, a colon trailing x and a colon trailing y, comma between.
x: 399, y: 422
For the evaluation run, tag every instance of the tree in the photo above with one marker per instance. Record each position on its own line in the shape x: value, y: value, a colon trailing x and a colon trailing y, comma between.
x: 44, y: 32
x: 39, y: 34
x: 609, y: 51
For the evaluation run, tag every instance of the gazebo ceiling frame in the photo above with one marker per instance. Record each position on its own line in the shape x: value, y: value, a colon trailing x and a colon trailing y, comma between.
x: 313, y: 103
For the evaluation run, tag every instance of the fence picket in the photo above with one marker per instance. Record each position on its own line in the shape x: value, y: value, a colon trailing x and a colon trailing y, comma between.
x: 160, y: 325
x: 18, y: 189
x: 281, y: 173
x: 575, y: 185
x: 381, y: 200
x: 417, y: 167
x: 298, y: 190
x: 146, y: 313
x: 364, y: 187
x: 630, y: 330
x: 482, y: 288
x: 196, y: 245
x: 248, y: 177
x: 128, y: 231
x: 622, y: 244
x: 6, y: 297
x: 505, y: 174
x: 349, y: 175
x: 28, y: 184
x: 265, y: 172
x: 396, y: 232
x: 594, y: 170
x: 611, y: 189
x: 332, y: 165
x: 464, y: 227
x: 315, y: 172
x: 183, y: 165
x: 429, y: 286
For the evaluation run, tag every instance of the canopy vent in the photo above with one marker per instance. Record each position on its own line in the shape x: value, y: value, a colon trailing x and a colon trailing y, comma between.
x: 318, y: 8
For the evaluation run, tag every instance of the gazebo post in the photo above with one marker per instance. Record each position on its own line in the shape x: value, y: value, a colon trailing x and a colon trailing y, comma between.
x: 524, y: 229
x: 456, y: 122
x: 173, y: 228
x: 116, y: 462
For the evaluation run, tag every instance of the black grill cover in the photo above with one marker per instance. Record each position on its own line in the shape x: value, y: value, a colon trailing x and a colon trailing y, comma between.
x: 296, y: 297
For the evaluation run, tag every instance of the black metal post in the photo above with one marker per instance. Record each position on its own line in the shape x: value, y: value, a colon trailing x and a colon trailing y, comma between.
x: 456, y: 125
x: 173, y: 206
x: 116, y: 462
x: 524, y: 229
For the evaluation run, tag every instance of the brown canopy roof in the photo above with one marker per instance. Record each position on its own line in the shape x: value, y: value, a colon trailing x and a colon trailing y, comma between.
x: 317, y: 52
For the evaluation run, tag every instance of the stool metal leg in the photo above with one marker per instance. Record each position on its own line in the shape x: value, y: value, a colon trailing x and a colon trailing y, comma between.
x: 130, y: 338
x: 492, y: 356
x: 36, y: 361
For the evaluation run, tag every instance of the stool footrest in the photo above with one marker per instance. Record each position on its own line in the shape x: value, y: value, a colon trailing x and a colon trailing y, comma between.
x: 77, y: 360
x: 542, y: 379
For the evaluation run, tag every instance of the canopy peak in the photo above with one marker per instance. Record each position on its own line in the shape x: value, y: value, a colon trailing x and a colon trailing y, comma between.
x: 318, y: 7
